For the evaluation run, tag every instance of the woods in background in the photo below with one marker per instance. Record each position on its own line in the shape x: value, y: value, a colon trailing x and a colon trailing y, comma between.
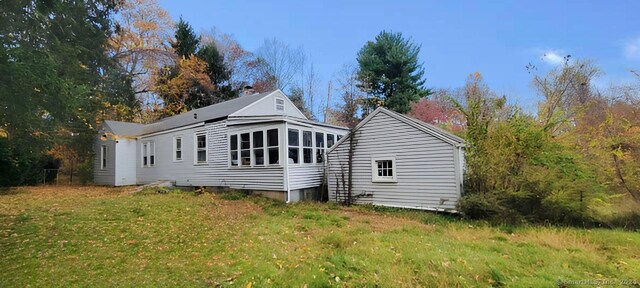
x: 66, y: 66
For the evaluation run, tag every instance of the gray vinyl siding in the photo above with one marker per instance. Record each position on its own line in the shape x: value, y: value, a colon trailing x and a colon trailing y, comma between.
x: 216, y: 172
x: 309, y: 175
x: 105, y: 176
x: 425, y: 166
x: 305, y: 176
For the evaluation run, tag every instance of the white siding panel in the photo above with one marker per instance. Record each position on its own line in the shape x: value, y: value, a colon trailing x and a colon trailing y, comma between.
x: 425, y: 166
x: 305, y: 176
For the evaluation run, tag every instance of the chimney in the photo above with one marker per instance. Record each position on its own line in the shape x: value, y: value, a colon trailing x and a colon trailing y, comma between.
x: 247, y: 90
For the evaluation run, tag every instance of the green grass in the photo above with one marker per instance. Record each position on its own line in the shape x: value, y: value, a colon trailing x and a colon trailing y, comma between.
x: 95, y: 236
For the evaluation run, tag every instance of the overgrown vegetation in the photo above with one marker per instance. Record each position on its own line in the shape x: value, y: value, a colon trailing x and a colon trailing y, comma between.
x: 96, y: 236
x: 560, y: 166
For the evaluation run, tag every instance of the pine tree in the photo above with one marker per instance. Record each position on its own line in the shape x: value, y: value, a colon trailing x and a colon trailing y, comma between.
x: 390, y: 73
x: 186, y: 42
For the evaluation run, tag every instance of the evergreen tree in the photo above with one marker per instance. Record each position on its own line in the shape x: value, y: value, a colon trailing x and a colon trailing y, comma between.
x: 53, y: 63
x: 218, y: 72
x: 390, y: 73
x: 186, y: 42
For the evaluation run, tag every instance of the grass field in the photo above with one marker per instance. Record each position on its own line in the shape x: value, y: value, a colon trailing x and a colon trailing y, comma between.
x: 96, y: 236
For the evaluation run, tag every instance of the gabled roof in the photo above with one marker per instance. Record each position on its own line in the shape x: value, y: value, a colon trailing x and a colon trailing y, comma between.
x: 211, y: 112
x: 124, y: 128
x: 425, y: 127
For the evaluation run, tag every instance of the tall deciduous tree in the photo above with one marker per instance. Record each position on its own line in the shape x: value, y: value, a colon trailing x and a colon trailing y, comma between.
x: 139, y: 44
x: 185, y: 86
x: 390, y: 72
x: 350, y: 96
x: 278, y: 64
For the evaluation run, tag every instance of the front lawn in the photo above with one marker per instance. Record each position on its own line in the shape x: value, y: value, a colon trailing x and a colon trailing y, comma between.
x: 97, y: 236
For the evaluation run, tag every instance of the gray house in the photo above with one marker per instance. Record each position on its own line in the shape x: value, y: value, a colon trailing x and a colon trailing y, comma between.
x: 398, y: 161
x: 258, y: 142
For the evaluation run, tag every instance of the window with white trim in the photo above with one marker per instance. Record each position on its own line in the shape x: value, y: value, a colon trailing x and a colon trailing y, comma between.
x: 258, y: 148
x: 233, y: 148
x: 307, y: 147
x: 294, y: 146
x: 103, y: 157
x: 245, y: 149
x: 148, y: 154
x: 279, y: 104
x: 330, y: 140
x: 272, y: 147
x: 177, y: 148
x: 253, y: 149
x: 201, y: 148
x: 383, y: 169
x: 319, y: 147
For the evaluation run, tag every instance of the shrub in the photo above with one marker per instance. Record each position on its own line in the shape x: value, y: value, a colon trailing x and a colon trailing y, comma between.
x: 85, y: 172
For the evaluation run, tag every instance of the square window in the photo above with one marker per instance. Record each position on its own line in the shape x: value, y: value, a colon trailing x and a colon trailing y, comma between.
x: 383, y: 170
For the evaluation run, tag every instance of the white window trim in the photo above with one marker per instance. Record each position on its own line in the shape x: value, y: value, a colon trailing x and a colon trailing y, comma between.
x: 195, y: 148
x: 149, y: 153
x: 265, y: 148
x: 299, y: 147
x: 315, y: 147
x: 103, y: 157
x: 175, y: 148
x: 383, y: 179
x: 275, y: 103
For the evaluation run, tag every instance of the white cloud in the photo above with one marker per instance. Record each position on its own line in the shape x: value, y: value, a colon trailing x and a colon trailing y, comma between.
x: 632, y: 49
x: 553, y: 57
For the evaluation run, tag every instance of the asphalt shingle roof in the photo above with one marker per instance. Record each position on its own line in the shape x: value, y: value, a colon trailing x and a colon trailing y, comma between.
x: 216, y: 111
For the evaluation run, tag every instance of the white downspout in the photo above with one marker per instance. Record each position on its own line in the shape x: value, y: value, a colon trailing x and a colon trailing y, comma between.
x: 286, y: 161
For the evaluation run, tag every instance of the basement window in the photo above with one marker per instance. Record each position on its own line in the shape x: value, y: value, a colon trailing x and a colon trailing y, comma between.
x: 383, y: 169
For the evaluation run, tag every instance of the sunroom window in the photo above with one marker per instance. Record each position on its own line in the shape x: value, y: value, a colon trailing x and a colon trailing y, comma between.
x: 272, y: 146
x: 307, y: 147
x: 245, y: 149
x: 330, y: 140
x: 319, y: 147
x: 258, y: 148
x: 233, y: 148
x: 294, y: 146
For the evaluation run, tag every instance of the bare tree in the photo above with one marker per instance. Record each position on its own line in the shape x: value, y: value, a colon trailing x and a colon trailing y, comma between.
x: 241, y: 63
x: 310, y: 86
x: 350, y: 96
x: 566, y: 89
x: 278, y: 63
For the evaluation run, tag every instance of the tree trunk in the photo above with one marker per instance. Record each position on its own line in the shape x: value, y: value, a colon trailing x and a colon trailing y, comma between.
x: 635, y: 194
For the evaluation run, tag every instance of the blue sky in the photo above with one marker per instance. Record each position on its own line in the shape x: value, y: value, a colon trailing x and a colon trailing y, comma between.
x: 495, y: 38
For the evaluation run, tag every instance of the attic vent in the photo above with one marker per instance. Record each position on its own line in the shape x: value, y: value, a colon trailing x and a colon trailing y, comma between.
x: 279, y: 104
